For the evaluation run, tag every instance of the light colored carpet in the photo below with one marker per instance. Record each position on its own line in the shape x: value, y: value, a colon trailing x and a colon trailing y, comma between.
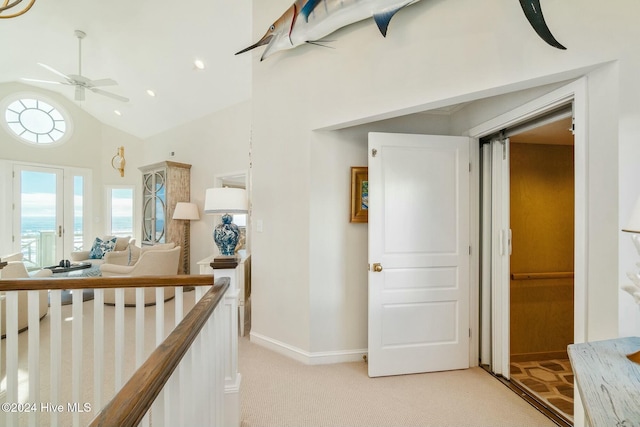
x: 278, y: 391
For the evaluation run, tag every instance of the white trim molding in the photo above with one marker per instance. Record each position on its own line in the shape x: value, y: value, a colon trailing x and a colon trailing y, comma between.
x: 317, y: 358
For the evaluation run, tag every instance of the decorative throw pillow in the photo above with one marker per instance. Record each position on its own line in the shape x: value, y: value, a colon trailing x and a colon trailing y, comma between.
x: 100, y: 247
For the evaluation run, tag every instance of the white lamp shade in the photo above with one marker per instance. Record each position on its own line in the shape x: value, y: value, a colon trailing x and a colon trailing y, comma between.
x: 226, y: 201
x: 185, y: 210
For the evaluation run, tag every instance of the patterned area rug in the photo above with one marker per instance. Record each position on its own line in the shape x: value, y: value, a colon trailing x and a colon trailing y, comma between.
x: 550, y: 381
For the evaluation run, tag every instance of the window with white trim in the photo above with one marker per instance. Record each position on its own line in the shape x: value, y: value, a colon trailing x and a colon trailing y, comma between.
x: 34, y: 120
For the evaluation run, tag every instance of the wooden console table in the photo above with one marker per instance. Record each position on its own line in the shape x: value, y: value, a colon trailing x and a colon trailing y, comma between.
x: 608, y: 382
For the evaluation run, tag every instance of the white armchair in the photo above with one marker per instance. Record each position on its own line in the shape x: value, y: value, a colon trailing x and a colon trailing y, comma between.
x: 17, y: 270
x: 151, y: 263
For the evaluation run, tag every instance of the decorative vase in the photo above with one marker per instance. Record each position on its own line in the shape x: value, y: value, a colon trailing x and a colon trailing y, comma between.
x: 226, y: 235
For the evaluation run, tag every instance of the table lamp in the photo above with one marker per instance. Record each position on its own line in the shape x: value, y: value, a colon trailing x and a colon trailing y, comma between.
x: 226, y: 201
x: 188, y: 212
x: 633, y: 226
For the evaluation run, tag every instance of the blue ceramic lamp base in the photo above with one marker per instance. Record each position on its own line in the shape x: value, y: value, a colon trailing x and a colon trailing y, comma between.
x: 226, y: 236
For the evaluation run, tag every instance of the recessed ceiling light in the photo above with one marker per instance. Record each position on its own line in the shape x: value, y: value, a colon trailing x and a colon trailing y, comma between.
x: 199, y: 64
x: 150, y: 92
x: 117, y: 112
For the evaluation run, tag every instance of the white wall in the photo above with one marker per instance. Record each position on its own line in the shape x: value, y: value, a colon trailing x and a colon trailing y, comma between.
x: 91, y: 146
x: 308, y: 278
x: 217, y: 144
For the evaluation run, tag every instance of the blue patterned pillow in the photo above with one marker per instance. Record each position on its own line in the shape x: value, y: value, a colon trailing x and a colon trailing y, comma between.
x: 101, y: 247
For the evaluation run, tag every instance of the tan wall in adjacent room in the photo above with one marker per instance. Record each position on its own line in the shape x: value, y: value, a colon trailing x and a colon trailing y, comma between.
x: 542, y: 224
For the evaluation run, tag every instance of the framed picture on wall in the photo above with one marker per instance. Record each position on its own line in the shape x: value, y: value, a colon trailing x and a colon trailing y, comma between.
x: 359, y: 194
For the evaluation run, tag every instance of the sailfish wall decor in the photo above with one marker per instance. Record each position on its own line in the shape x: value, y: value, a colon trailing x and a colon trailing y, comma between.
x: 308, y: 21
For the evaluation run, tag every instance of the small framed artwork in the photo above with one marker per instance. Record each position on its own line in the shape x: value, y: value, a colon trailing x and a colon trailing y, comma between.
x: 359, y: 194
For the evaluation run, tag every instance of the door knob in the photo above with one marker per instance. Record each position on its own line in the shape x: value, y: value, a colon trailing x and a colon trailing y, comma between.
x: 377, y: 267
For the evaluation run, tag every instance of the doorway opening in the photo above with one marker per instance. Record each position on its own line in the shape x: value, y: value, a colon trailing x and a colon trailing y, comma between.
x: 530, y: 201
x: 542, y: 195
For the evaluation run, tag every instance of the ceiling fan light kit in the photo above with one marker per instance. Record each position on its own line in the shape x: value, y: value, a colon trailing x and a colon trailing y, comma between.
x: 80, y: 82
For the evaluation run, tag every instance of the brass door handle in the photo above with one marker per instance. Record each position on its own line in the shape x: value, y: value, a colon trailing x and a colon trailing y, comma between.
x: 377, y: 267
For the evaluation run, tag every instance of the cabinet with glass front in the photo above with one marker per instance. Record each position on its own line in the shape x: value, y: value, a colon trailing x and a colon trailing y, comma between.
x: 164, y: 184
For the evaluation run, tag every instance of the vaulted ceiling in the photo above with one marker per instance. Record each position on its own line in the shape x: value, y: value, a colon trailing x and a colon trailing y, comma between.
x: 142, y: 45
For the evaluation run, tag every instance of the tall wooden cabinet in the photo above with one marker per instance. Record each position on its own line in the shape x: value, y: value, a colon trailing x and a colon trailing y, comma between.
x: 164, y: 184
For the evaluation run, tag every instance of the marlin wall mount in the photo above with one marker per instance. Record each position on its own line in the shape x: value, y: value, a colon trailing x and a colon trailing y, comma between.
x: 308, y: 21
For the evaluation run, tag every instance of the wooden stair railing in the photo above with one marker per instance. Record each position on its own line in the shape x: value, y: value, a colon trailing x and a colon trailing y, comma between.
x: 134, y: 400
x: 50, y: 283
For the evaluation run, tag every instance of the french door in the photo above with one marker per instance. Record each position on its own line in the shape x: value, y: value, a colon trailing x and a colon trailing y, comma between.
x: 48, y: 215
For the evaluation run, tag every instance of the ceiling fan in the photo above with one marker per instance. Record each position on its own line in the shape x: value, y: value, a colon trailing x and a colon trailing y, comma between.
x: 80, y: 82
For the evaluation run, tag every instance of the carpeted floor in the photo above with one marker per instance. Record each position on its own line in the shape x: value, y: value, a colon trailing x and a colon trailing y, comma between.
x: 278, y: 391
x: 550, y: 381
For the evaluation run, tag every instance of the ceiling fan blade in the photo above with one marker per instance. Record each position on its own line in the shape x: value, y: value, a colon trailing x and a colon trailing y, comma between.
x: 103, y: 82
x: 26, y: 79
x: 53, y: 70
x: 79, y: 93
x: 109, y: 94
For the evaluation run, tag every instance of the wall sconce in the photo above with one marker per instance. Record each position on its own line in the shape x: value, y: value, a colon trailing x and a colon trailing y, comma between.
x: 7, y: 6
x: 118, y: 161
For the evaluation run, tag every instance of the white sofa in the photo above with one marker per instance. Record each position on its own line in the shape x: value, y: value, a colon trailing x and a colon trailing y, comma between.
x: 153, y: 261
x: 17, y: 270
x: 122, y: 248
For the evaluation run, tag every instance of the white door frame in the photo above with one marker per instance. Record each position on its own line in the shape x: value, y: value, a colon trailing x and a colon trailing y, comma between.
x: 575, y: 92
x: 67, y: 204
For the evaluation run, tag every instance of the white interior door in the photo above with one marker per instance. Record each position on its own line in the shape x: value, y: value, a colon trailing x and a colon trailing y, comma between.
x: 418, y: 253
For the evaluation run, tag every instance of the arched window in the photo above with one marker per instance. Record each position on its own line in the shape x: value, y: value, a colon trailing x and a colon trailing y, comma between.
x: 36, y: 121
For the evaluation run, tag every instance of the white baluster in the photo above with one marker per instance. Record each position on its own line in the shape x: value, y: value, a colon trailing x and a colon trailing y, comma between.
x: 189, y: 408
x: 12, y: 354
x: 199, y: 293
x: 76, y: 345
x: 119, y: 338
x: 221, y: 349
x: 140, y: 356
x: 176, y: 378
x: 34, y: 354
x: 139, y: 327
x: 159, y: 404
x: 159, y: 315
x: 179, y: 307
x: 55, y: 310
x: 98, y: 348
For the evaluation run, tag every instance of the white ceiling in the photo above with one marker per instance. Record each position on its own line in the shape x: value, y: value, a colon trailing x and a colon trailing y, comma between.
x: 142, y: 44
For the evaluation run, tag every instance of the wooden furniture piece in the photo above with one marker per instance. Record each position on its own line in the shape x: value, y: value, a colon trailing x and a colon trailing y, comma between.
x: 241, y: 277
x: 164, y: 184
x: 608, y: 382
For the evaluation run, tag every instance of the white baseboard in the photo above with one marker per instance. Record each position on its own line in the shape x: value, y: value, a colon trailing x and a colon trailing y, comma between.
x: 317, y: 358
